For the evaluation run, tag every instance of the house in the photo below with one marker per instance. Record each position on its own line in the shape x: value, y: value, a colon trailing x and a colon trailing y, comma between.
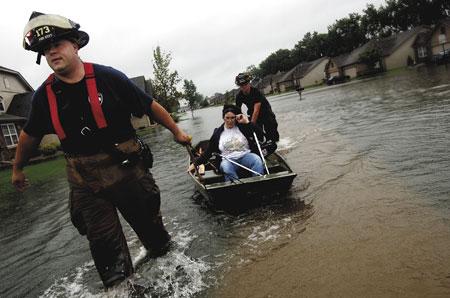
x: 291, y: 79
x: 184, y: 105
x: 422, y: 47
x: 15, y: 101
x: 349, y: 64
x: 396, y: 51
x: 11, y: 84
x: 275, y: 81
x: 216, y: 99
x: 9, y: 137
x: 315, y: 73
x: 440, y: 40
x: 144, y: 121
x: 304, y: 74
x: 265, y: 85
x: 230, y: 96
x: 333, y: 68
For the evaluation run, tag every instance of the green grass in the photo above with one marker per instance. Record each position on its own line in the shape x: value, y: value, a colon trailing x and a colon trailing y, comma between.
x: 35, y: 173
x: 397, y: 71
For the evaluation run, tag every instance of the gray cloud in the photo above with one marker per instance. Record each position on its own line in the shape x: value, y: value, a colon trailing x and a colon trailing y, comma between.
x: 210, y: 42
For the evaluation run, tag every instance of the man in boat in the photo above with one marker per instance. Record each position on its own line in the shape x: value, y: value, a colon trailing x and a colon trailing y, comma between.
x: 89, y: 107
x: 258, y: 108
x: 234, y: 143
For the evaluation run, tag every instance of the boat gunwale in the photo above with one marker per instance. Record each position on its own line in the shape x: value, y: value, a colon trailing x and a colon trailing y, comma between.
x: 287, y: 173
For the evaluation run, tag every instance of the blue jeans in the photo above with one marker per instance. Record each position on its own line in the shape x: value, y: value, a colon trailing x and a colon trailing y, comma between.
x: 249, y: 160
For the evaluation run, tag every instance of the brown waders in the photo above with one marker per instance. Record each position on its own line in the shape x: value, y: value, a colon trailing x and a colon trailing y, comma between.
x: 99, y: 187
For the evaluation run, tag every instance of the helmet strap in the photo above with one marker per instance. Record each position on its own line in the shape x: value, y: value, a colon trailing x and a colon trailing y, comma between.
x: 38, y: 60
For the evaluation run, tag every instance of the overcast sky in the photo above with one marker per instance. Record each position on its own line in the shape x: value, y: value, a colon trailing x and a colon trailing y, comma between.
x: 210, y: 41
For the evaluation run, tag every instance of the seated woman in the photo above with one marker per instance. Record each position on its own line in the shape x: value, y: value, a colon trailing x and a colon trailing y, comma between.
x: 234, y: 141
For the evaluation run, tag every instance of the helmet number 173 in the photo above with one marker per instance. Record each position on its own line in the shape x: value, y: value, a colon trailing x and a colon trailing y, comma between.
x: 42, y: 30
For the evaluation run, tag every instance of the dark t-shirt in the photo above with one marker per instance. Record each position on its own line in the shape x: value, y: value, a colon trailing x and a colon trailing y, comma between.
x: 120, y: 99
x: 255, y: 96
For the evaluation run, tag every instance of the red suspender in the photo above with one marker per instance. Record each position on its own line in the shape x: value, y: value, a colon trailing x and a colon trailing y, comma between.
x: 94, y: 101
x: 54, y: 108
x: 96, y: 108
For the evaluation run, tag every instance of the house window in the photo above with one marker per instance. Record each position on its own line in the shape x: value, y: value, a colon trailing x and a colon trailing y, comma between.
x: 10, y: 133
x: 2, y: 105
x: 422, y: 52
x: 5, y: 80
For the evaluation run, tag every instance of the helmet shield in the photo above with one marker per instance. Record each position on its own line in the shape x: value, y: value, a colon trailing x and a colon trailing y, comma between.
x: 46, y: 28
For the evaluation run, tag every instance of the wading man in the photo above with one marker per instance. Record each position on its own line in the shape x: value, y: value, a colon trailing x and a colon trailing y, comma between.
x: 258, y: 109
x: 89, y: 107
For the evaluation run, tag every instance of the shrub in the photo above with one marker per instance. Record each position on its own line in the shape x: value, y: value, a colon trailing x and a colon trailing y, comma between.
x: 49, y: 149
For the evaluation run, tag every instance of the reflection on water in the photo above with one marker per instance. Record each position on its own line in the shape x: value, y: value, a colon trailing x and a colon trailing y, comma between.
x: 373, y: 170
x: 374, y: 155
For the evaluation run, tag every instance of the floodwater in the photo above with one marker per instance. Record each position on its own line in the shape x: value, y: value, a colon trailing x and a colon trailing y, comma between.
x: 368, y: 214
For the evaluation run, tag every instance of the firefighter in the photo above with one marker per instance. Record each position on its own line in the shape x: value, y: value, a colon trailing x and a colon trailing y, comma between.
x: 89, y: 107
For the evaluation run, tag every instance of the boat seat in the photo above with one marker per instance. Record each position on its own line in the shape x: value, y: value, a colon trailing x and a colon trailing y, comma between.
x: 272, y: 164
x: 212, y: 177
x: 276, y: 168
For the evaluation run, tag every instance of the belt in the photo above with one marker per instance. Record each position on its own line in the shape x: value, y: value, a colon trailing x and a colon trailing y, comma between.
x: 76, y: 155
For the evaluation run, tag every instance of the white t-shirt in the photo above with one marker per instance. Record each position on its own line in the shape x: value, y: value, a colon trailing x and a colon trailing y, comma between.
x: 232, y: 143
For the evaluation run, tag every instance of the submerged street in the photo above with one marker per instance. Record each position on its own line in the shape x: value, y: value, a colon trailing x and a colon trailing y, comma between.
x: 367, y: 215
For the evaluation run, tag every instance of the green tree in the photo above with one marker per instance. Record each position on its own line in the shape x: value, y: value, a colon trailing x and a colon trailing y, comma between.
x: 371, y: 57
x: 165, y: 81
x: 191, y: 95
x: 373, y: 21
x: 204, y: 103
x: 229, y: 97
x: 278, y: 61
x: 311, y: 47
x: 254, y: 71
x: 345, y: 35
x: 401, y: 15
x: 348, y: 33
